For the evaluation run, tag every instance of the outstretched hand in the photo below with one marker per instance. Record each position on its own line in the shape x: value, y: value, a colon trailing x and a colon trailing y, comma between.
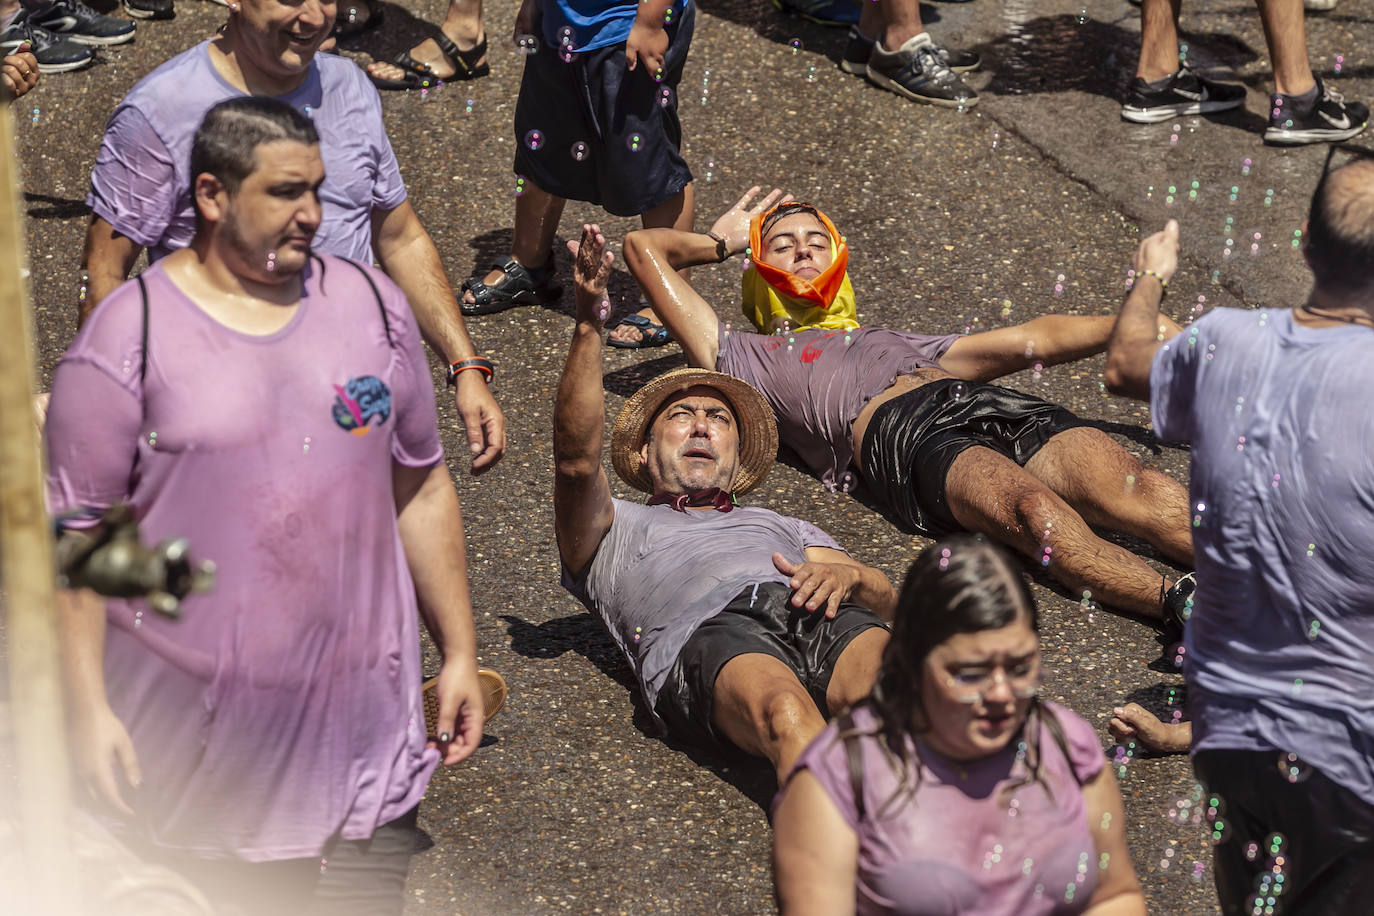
x: 1134, y: 721
x: 1159, y: 252
x: 815, y: 584
x: 733, y: 225
x: 591, y: 271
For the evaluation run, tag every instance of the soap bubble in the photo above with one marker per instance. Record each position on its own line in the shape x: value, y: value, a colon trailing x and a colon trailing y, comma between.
x: 579, y: 151
x: 796, y: 46
x: 666, y: 99
x: 525, y: 45
x: 566, y: 36
x: 534, y: 140
x: 1292, y: 768
x: 634, y: 143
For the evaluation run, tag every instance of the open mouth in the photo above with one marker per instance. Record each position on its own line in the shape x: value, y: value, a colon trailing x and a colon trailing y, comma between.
x: 302, y: 41
x: 703, y: 453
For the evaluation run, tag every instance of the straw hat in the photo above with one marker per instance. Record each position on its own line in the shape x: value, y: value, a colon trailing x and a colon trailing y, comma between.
x: 758, y: 431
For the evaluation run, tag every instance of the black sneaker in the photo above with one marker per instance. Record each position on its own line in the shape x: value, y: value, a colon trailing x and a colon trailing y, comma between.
x: 54, y: 54
x: 1329, y: 117
x: 1177, y: 606
x: 1185, y: 93
x: 150, y: 9
x: 859, y: 49
x: 77, y: 22
x: 918, y: 71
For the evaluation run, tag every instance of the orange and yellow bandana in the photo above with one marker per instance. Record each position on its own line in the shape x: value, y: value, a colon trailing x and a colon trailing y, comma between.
x: 773, y: 296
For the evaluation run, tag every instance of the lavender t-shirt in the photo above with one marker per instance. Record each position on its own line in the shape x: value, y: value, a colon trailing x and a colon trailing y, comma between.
x: 965, y: 842
x: 284, y: 707
x: 659, y: 573
x: 818, y: 381
x: 1280, y: 646
x: 142, y: 180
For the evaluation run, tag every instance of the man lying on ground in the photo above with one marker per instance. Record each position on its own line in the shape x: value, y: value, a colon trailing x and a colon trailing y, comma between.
x: 941, y: 450
x: 742, y: 625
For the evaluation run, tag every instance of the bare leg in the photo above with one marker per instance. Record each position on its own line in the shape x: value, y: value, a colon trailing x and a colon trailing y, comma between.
x: 1134, y: 721
x: 990, y: 493
x: 901, y: 22
x: 856, y: 669
x: 762, y: 707
x: 1110, y: 489
x: 871, y: 22
x: 536, y: 222
x: 463, y: 26
x: 678, y: 212
x: 1285, y: 31
x: 1158, y: 39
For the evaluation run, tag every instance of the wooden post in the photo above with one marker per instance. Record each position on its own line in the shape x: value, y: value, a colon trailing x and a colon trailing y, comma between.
x: 26, y: 565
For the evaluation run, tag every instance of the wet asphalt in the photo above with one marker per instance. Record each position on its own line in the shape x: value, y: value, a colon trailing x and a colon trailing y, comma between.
x: 1032, y: 202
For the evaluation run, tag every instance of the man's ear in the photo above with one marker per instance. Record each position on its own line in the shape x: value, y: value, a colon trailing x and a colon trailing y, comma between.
x: 644, y: 453
x: 211, y: 197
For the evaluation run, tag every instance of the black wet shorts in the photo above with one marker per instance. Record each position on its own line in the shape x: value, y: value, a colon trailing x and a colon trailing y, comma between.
x: 913, y: 439
x: 602, y: 133
x: 1327, y: 852
x: 758, y: 620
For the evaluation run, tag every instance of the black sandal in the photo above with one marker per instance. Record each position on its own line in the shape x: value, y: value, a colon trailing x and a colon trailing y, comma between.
x: 519, y: 285
x: 418, y: 75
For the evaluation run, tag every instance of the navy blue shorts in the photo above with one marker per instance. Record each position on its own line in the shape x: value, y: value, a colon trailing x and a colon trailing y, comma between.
x: 603, y: 135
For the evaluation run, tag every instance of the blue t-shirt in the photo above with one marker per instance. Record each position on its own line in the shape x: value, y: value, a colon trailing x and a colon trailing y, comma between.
x: 1280, y: 646
x: 141, y: 184
x: 592, y: 23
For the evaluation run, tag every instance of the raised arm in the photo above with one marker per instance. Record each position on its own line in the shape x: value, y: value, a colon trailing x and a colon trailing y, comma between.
x: 655, y: 255
x: 582, y: 508
x: 1134, y: 340
x: 407, y: 254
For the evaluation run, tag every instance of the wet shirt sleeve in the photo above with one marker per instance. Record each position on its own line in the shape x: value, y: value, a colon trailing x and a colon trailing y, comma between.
x: 415, y: 442
x: 1174, y: 379
x: 134, y: 186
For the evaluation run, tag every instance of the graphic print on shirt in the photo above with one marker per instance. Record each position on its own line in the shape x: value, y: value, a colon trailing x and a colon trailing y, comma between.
x: 360, y: 401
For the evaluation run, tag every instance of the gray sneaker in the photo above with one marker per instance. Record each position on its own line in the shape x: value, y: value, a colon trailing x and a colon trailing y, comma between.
x: 918, y: 71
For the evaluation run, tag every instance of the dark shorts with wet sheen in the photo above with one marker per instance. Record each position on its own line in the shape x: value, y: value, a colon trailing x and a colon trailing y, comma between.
x: 759, y: 620
x: 912, y: 441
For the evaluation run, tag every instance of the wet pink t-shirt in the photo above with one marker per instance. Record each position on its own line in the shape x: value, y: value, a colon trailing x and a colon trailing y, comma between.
x: 963, y: 843
x: 283, y: 709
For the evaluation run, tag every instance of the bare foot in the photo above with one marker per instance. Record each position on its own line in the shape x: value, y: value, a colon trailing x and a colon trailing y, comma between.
x: 1134, y: 721
x: 630, y: 334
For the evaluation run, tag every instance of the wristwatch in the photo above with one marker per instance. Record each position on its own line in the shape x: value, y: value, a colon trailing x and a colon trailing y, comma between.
x: 480, y: 363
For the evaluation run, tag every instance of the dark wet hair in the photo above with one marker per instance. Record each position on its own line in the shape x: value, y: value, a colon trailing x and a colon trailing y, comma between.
x: 227, y: 140
x: 960, y: 584
x: 785, y: 210
x: 1340, y: 228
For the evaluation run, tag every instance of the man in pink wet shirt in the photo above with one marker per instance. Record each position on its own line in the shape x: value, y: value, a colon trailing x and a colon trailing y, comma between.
x: 274, y: 406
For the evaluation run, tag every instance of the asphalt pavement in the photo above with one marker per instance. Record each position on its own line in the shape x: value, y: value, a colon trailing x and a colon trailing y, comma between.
x: 1031, y: 202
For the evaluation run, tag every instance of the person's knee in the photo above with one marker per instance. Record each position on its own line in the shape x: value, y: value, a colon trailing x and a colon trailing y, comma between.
x: 788, y: 713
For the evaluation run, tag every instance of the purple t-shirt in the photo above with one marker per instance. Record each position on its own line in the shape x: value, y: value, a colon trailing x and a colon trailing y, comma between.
x: 659, y: 573
x: 284, y: 707
x: 818, y: 381
x: 142, y: 180
x: 964, y: 843
x: 1280, y: 645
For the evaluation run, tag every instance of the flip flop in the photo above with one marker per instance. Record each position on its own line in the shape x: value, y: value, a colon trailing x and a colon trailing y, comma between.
x: 651, y: 335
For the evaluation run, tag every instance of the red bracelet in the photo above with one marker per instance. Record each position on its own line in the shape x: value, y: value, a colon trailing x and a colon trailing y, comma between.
x: 480, y: 363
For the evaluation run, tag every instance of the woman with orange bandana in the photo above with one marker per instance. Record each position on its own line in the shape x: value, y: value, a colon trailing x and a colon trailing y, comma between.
x: 912, y: 415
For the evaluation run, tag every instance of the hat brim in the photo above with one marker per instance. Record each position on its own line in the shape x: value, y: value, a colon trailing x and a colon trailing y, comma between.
x: 758, y: 430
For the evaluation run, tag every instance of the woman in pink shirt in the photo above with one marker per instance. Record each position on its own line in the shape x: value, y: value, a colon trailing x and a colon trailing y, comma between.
x: 954, y: 788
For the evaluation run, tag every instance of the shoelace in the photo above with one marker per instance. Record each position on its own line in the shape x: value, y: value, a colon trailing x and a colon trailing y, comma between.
x: 932, y: 64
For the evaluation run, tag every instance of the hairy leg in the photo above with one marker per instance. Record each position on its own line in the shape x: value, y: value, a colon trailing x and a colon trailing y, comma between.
x: 678, y: 212
x: 1158, y: 38
x: 856, y: 669
x: 1285, y: 31
x: 990, y: 493
x: 537, y: 213
x: 1110, y: 489
x: 763, y: 708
